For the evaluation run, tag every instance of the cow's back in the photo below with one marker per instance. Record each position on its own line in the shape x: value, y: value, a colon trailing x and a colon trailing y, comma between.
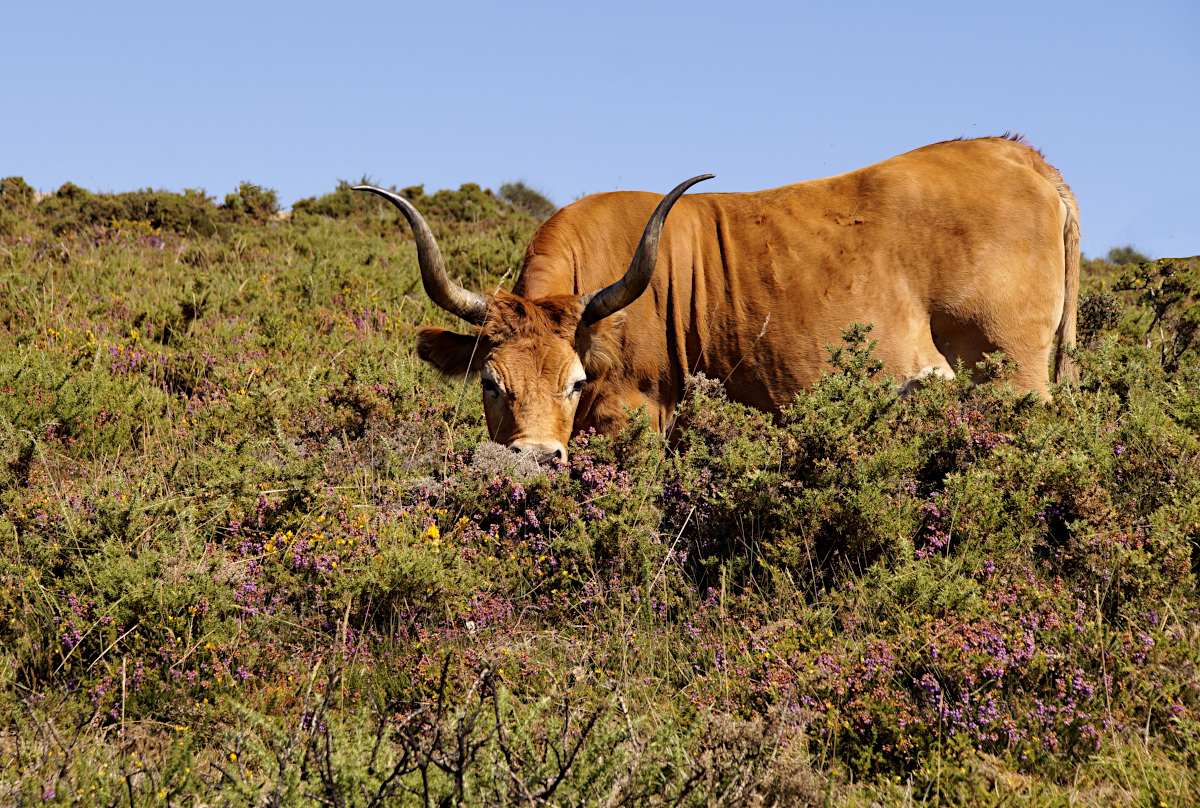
x: 949, y: 250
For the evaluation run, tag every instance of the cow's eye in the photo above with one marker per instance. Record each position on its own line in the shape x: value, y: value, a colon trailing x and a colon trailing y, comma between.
x: 577, y: 388
x: 490, y: 387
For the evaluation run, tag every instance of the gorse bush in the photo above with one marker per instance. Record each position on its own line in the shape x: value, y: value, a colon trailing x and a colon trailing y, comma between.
x: 1013, y: 542
x: 15, y: 193
x: 1126, y: 255
x: 73, y: 210
x: 1166, y: 296
x: 254, y: 552
x: 341, y: 203
x: 469, y: 204
x: 526, y: 198
x: 253, y: 202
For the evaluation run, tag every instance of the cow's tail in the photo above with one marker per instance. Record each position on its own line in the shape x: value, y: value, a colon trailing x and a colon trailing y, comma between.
x: 1064, y: 369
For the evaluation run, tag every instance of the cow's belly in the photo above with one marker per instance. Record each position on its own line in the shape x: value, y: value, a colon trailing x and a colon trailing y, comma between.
x: 768, y: 366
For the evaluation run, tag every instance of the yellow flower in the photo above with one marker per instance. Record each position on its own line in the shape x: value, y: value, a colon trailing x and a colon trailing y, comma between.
x: 432, y: 533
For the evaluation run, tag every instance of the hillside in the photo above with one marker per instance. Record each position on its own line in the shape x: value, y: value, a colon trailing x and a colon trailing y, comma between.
x: 253, y: 552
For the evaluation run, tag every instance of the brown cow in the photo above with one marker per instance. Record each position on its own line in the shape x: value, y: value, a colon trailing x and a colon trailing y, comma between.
x: 952, y: 250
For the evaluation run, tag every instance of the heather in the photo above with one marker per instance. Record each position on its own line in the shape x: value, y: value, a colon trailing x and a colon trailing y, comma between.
x: 253, y: 552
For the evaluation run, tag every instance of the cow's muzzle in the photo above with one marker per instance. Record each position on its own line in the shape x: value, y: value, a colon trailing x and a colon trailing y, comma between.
x: 544, y: 452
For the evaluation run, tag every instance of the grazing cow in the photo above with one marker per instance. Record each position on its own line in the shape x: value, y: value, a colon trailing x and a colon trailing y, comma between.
x: 952, y: 250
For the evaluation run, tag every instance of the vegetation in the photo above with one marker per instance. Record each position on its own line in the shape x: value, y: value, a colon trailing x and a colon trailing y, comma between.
x: 252, y: 202
x: 252, y: 552
x: 527, y: 199
x: 1126, y: 255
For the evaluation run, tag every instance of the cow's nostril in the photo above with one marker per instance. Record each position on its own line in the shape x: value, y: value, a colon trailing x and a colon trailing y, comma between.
x: 558, y: 454
x: 515, y: 449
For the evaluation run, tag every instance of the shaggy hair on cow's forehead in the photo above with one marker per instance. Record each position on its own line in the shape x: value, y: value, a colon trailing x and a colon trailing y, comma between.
x: 510, y: 316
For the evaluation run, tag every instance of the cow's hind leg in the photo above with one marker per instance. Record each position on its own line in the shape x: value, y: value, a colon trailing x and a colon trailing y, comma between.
x: 1026, y: 345
x: 941, y: 370
x: 1032, y: 363
x: 922, y: 357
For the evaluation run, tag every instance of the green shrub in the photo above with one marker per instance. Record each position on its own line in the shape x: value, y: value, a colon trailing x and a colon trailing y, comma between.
x: 1099, y: 311
x: 1126, y: 255
x: 527, y: 199
x: 74, y: 210
x: 253, y: 202
x: 343, y: 203
x: 1165, y: 294
x: 15, y: 193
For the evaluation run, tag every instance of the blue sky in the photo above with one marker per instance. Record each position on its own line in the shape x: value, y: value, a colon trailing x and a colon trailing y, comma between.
x: 578, y: 98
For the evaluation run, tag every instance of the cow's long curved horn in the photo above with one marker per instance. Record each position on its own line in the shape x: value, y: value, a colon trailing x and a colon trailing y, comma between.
x: 470, y: 306
x: 611, y: 299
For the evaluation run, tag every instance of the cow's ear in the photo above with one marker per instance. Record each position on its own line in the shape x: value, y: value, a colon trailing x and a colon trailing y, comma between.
x: 599, y: 344
x: 454, y: 355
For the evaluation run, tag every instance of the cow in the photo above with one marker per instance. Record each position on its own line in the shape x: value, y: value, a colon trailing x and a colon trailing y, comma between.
x: 952, y: 251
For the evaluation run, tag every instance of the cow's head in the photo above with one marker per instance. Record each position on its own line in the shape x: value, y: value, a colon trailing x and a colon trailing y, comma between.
x: 533, y: 357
